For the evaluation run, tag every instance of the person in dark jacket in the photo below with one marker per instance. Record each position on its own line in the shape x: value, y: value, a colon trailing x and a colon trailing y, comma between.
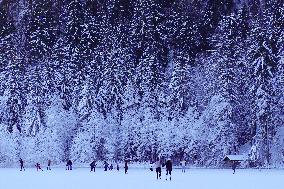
x: 22, y: 164
x: 105, y: 166
x: 169, y: 168
x: 117, y: 167
x: 93, y: 166
x: 48, y: 164
x: 69, y: 165
x: 234, y: 166
x: 125, y: 167
x: 111, y: 167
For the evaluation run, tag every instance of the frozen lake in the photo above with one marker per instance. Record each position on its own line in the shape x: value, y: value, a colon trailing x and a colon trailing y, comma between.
x: 81, y: 178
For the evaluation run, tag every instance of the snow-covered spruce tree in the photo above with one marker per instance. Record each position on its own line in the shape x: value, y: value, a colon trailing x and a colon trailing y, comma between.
x: 150, y: 55
x: 37, y: 100
x: 7, y: 31
x: 9, y: 147
x: 62, y: 80
x: 230, y: 73
x: 94, y: 28
x: 129, y: 132
x: 148, y: 150
x: 40, y: 39
x: 179, y: 99
x: 72, y: 19
x: 179, y: 33
x: 223, y: 113
x: 179, y: 30
x: 66, y: 52
x: 264, y: 64
x: 277, y: 152
x: 13, y: 87
x: 277, y: 148
x: 15, y: 92
x: 120, y: 11
x: 52, y: 141
x: 114, y: 74
x: 86, y: 144
x: 211, y: 15
x: 215, y: 135
x: 243, y: 113
x: 40, y: 32
x: 7, y: 53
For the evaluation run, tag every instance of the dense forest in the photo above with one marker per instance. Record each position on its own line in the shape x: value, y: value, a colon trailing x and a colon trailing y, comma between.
x: 140, y: 79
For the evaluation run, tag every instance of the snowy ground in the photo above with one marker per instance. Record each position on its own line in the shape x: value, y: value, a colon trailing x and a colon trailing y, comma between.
x: 81, y: 178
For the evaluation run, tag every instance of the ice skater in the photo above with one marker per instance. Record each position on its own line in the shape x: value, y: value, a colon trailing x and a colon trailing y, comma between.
x: 117, y: 167
x: 38, y: 167
x: 234, y: 166
x: 111, y: 167
x: 105, y: 166
x: 69, y: 165
x: 22, y: 164
x: 158, y: 168
x: 183, y: 163
x: 93, y: 166
x: 125, y: 167
x: 48, y: 164
x: 169, y: 168
x: 151, y: 167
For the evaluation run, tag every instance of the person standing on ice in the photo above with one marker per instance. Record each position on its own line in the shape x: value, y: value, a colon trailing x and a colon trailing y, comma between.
x: 38, y: 167
x: 93, y: 166
x: 183, y: 163
x: 111, y: 167
x: 158, y: 168
x: 105, y: 166
x: 169, y: 168
x: 117, y: 166
x: 151, y: 166
x: 69, y: 165
x: 22, y: 164
x: 125, y: 167
x: 234, y: 166
x: 48, y: 164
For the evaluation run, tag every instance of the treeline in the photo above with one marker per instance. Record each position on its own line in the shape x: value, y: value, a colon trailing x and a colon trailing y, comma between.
x: 137, y: 79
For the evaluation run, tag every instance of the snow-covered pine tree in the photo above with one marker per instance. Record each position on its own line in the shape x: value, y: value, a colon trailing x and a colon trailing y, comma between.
x: 114, y: 74
x: 264, y: 64
x: 130, y: 131
x: 41, y: 31
x: 149, y: 52
x: 212, y: 14
x: 276, y: 9
x: 73, y: 19
x: 7, y: 31
x: 15, y: 91
x: 228, y: 56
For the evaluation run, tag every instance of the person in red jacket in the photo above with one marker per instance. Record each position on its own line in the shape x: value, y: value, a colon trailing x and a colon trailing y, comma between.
x: 38, y: 167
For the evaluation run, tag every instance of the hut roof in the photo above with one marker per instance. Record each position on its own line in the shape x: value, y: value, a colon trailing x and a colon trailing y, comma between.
x: 235, y: 158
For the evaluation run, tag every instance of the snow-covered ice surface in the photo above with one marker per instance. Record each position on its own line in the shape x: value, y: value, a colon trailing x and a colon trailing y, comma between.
x: 82, y: 178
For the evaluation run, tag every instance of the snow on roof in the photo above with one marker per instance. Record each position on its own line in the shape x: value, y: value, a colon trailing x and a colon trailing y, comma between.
x: 235, y: 157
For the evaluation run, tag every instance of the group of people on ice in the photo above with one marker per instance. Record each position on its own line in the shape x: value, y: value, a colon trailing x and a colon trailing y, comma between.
x: 158, y: 166
x: 37, y: 165
x: 110, y: 167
